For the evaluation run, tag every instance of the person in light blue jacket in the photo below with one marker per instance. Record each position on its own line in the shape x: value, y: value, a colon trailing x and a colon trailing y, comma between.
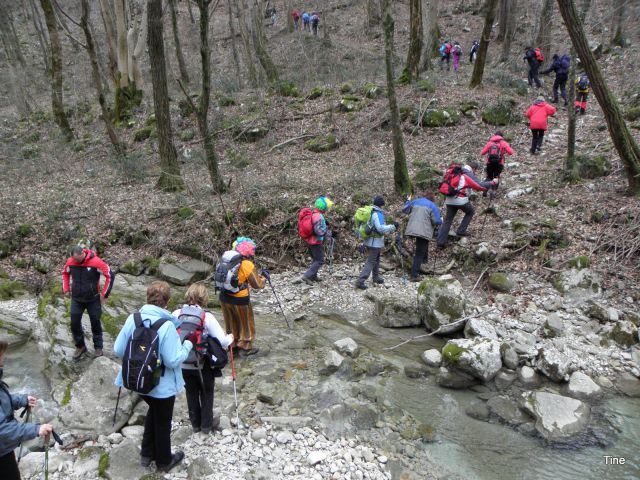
x: 374, y: 244
x: 156, y: 440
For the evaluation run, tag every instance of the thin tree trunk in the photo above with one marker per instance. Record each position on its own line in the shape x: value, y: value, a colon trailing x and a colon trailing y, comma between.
x: 193, y: 20
x: 42, y: 37
x: 15, y: 62
x: 57, y: 104
x: 504, y: 11
x: 137, y: 48
x: 234, y: 46
x: 287, y: 12
x: 10, y: 38
x: 97, y: 80
x: 246, y: 42
x: 412, y: 68
x: 170, y: 178
x: 622, y: 139
x: 431, y: 35
x: 543, y: 38
x: 260, y: 45
x: 619, y: 14
x: 184, y: 74
x: 510, y: 30
x: 478, y: 67
x: 401, y: 181
x: 109, y: 28
x: 122, y: 50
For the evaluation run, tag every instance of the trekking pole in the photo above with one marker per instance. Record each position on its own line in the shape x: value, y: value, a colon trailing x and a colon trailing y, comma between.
x: 115, y: 411
x: 486, y: 213
x: 332, y: 243
x: 27, y: 411
x: 398, y: 252
x: 46, y: 457
x: 279, y: 304
x: 235, y: 392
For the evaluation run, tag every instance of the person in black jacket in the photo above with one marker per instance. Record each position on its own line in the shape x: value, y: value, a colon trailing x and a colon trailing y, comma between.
x: 534, y: 66
x: 561, y: 66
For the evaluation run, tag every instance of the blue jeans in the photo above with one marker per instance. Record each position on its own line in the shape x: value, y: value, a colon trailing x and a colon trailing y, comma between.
x: 94, y: 309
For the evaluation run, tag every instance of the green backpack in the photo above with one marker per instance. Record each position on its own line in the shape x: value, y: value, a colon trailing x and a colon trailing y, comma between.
x: 362, y: 220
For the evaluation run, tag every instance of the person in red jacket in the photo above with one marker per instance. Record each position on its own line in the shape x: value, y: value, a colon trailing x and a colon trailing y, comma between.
x: 495, y: 149
x: 296, y: 18
x: 538, y: 113
x: 81, y: 280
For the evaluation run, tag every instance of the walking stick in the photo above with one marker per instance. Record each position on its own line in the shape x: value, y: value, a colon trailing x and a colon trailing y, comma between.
x: 235, y: 392
x: 27, y: 411
x: 279, y: 304
x: 332, y: 243
x: 115, y: 411
x: 398, y: 252
x: 46, y: 457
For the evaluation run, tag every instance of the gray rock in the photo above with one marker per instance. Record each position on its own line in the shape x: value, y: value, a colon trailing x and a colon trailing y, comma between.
x: 332, y: 361
x: 510, y: 357
x: 558, y: 418
x: 200, y: 467
x: 258, y: 434
x: 284, y: 437
x: 441, y: 303
x: 316, y: 457
x: 124, y: 462
x: 478, y: 410
x: 553, y: 364
x: 87, y: 462
x: 478, y: 357
x: 485, y: 252
x: 132, y: 267
x: 501, y: 282
x: 291, y: 423
x: 552, y: 304
x: 174, y: 274
x: 628, y: 385
x: 394, y: 310
x: 199, y: 269
x: 578, y: 286
x: 415, y: 371
x: 139, y: 414
x: 506, y: 299
x: 432, y: 358
x: 454, y: 379
x: 504, y: 379
x: 477, y: 327
x: 581, y: 386
x: 347, y: 346
x: 598, y: 312
x: 624, y: 333
x: 554, y: 326
x: 506, y: 410
x: 31, y: 464
x: 134, y: 433
x: 523, y: 342
x: 528, y: 376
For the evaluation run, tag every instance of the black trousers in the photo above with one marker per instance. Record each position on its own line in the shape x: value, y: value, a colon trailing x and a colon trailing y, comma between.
x: 94, y: 309
x: 156, y: 439
x: 443, y: 234
x: 420, y: 256
x: 494, y: 170
x: 533, y: 75
x: 317, y: 256
x: 560, y: 83
x: 537, y: 134
x: 200, y: 397
x: 9, y: 467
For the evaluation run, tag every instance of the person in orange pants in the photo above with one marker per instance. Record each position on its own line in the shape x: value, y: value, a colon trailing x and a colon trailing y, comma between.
x: 582, y: 92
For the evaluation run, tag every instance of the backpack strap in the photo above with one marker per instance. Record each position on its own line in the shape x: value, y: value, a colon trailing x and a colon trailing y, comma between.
x: 137, y: 319
x: 156, y: 326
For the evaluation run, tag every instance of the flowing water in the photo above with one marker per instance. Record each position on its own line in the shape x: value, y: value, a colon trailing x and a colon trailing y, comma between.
x: 23, y: 371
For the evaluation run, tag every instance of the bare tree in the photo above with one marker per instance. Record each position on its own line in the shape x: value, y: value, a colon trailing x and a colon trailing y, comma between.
x: 543, y: 38
x: 170, y: 179
x: 401, y: 180
x: 510, y: 29
x: 478, y: 67
x: 110, y: 31
x: 504, y: 9
x: 260, y: 43
x: 57, y: 104
x: 287, y: 14
x: 234, y: 46
x: 373, y: 14
x: 431, y: 35
x: 41, y: 35
x: 619, y: 16
x: 620, y: 135
x: 246, y: 43
x: 411, y: 70
x: 184, y: 74
x: 15, y: 61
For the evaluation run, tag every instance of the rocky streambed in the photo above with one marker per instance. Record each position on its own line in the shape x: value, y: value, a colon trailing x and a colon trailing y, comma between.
x: 540, y: 381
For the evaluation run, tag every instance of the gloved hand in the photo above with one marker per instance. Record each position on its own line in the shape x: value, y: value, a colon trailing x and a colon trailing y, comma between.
x: 193, y: 338
x: 266, y: 274
x: 361, y: 248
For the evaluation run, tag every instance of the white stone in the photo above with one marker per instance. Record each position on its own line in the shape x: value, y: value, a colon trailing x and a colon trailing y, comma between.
x: 581, y: 386
x: 347, y: 346
x: 316, y: 457
x: 332, y: 361
x: 432, y: 357
x: 558, y: 418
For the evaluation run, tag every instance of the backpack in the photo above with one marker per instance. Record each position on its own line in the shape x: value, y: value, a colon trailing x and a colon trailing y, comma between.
x: 141, y: 365
x: 458, y: 50
x: 362, y: 220
x: 447, y: 48
x: 565, y: 64
x: 305, y: 223
x: 539, y: 55
x: 315, y: 19
x: 583, y: 83
x: 451, y: 176
x: 207, y: 348
x: 495, y: 153
x: 442, y: 49
x: 226, y: 276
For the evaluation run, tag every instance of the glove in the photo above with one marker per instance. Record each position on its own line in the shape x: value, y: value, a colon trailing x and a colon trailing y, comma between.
x: 361, y: 248
x: 266, y: 274
x: 193, y: 338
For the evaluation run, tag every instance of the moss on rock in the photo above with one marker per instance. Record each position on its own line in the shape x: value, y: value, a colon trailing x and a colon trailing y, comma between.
x: 595, y: 166
x: 502, y: 113
x: 142, y: 134
x: 322, y: 144
x: 433, y: 118
x: 256, y: 214
x: 426, y: 86
x: 501, y: 282
x: 580, y: 262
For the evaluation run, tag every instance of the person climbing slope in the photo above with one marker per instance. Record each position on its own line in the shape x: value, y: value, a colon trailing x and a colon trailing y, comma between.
x: 445, y: 54
x: 424, y: 217
x: 456, y: 52
x: 538, y: 115
x: 534, y: 58
x: 561, y: 66
x: 582, y: 92
x: 495, y: 150
x: 474, y: 50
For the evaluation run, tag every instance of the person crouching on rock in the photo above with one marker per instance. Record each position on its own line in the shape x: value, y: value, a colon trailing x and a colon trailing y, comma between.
x: 198, y: 373
x: 12, y: 432
x: 235, y: 274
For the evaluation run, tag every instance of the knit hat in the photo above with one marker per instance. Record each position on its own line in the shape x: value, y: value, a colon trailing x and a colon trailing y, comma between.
x: 540, y: 98
x: 378, y: 201
x: 323, y: 203
x: 245, y: 246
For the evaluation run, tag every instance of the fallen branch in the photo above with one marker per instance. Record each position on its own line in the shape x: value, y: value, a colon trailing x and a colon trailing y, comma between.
x: 439, y: 329
x: 479, y: 278
x: 286, y: 142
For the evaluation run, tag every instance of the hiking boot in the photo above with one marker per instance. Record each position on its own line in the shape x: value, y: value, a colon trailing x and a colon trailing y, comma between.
x: 196, y: 429
x: 361, y: 285
x: 79, y: 351
x: 415, y: 279
x: 98, y: 353
x: 308, y: 281
x: 379, y: 281
x: 176, y: 458
x: 463, y: 234
x: 582, y: 111
x: 248, y: 353
x: 145, y: 461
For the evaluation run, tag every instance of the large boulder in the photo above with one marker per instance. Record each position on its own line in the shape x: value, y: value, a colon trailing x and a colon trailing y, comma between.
x: 553, y: 364
x: 581, y: 386
x: 89, y: 402
x: 441, y: 303
x: 478, y: 357
x: 506, y: 410
x: 124, y: 462
x: 558, y: 418
x: 624, y: 333
x: 184, y: 273
x: 476, y: 327
x: 14, y: 328
x: 578, y: 285
x: 394, y: 309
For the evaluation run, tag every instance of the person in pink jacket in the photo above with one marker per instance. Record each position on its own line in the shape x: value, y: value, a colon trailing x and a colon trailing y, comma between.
x: 538, y: 113
x: 495, y: 149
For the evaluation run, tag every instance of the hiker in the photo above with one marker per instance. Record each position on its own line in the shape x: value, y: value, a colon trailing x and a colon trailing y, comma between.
x: 197, y: 371
x: 495, y: 149
x: 538, y: 115
x: 156, y: 439
x: 582, y: 92
x: 306, y: 18
x: 445, y: 54
x: 13, y: 432
x: 534, y: 58
x: 457, y: 180
x: 313, y: 229
x: 456, y: 52
x: 374, y: 244
x: 474, y: 51
x: 561, y: 66
x: 315, y: 21
x: 424, y: 217
x: 234, y: 275
x: 296, y: 18
x: 81, y: 280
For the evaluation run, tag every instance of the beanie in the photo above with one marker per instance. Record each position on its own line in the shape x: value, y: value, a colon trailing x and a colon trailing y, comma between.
x: 378, y: 201
x: 323, y: 203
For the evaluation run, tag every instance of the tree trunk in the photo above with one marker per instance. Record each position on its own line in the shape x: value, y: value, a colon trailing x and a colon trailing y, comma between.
x: 42, y: 38
x: 373, y: 14
x: 478, y: 67
x: 622, y: 139
x: 170, y: 178
x: 401, y: 181
x: 9, y: 37
x: 510, y: 30
x: 234, y: 46
x: 184, y: 74
x: 193, y: 20
x: 543, y: 38
x: 287, y: 13
x: 260, y: 44
x: 246, y: 42
x: 15, y: 62
x: 136, y: 47
x: 57, y: 104
x: 97, y: 80
x: 504, y: 13
x: 205, y: 95
x: 431, y: 36
x: 109, y: 28
x: 122, y: 50
x: 618, y: 23
x: 412, y: 68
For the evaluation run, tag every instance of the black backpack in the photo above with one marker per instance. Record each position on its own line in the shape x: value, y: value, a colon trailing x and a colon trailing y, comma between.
x: 494, y: 153
x: 141, y: 365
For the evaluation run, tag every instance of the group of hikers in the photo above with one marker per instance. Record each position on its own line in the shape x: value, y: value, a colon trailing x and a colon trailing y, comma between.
x: 310, y: 21
x: 452, y: 50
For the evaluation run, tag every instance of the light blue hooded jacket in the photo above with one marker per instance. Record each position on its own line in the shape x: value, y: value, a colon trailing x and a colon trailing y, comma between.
x: 376, y: 240
x: 172, y: 352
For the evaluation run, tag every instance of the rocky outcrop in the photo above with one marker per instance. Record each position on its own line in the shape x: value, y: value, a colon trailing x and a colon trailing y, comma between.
x: 478, y: 357
x: 184, y: 273
x: 578, y: 285
x: 394, y: 309
x: 582, y: 387
x: 441, y: 303
x: 553, y: 364
x: 558, y: 418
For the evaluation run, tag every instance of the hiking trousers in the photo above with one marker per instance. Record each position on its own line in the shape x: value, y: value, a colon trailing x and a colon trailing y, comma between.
x: 317, y: 254
x: 443, y: 233
x: 537, y: 135
x: 200, y: 397
x: 445, y: 58
x: 156, y: 439
x: 94, y: 309
x: 238, y: 319
x: 494, y: 170
x: 9, y: 467
x: 372, y: 265
x: 560, y: 83
x: 581, y: 101
x: 420, y: 256
x: 533, y: 76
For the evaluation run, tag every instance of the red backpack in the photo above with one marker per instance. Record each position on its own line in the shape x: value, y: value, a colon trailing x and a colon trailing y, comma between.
x: 451, y: 180
x: 539, y: 55
x: 447, y: 48
x: 305, y: 223
x: 495, y: 153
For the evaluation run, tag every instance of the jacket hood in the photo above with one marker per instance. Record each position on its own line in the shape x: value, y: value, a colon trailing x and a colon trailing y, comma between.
x: 496, y: 138
x: 537, y: 103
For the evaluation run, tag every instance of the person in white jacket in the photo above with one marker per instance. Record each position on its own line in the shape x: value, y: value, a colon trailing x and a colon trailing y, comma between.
x: 199, y: 377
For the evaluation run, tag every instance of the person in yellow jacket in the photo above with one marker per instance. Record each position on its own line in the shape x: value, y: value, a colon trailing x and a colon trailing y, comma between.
x: 582, y: 92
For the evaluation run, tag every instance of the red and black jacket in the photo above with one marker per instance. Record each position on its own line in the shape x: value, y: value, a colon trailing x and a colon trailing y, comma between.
x: 84, y: 278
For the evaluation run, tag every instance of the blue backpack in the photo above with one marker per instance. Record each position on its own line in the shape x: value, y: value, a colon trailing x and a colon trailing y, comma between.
x: 565, y: 64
